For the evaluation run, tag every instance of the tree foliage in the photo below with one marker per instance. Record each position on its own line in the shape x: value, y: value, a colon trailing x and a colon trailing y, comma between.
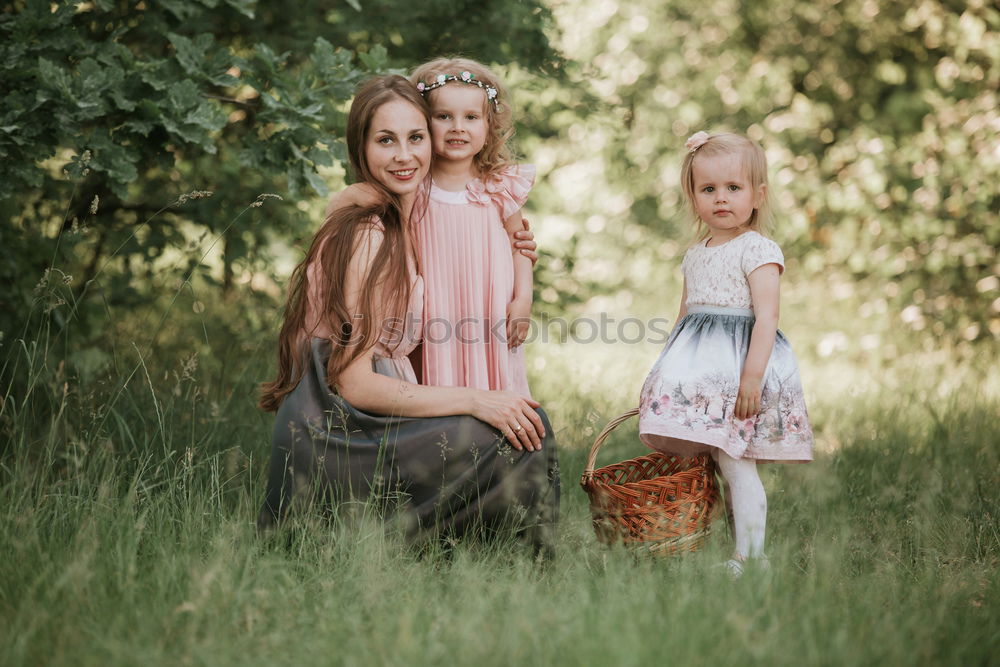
x: 879, y: 119
x: 880, y: 122
x: 115, y: 111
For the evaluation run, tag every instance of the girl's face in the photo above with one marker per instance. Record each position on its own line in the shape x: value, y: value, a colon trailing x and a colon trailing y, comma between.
x: 723, y: 196
x: 459, y: 127
x: 398, y: 147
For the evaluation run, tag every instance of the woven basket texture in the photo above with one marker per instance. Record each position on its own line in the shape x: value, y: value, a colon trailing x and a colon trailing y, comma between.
x: 658, y: 503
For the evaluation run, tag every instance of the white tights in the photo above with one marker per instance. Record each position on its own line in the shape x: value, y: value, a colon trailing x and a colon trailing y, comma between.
x: 749, y: 504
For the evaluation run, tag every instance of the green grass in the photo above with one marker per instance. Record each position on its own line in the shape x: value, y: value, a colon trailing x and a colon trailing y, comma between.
x: 128, y: 538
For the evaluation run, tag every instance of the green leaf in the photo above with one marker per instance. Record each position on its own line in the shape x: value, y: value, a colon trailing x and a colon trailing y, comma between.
x: 339, y: 150
x: 189, y: 133
x: 376, y: 59
x: 180, y: 8
x: 183, y: 95
x: 265, y: 55
x: 245, y: 7
x: 51, y: 75
x: 224, y: 79
x: 324, y: 58
x: 91, y: 75
x: 320, y: 157
x: 139, y: 126
x: 355, y: 5
x: 150, y: 109
x: 190, y: 53
x: 313, y: 111
x: 155, y: 74
x: 314, y: 180
x: 112, y: 158
x: 208, y: 116
x: 121, y: 101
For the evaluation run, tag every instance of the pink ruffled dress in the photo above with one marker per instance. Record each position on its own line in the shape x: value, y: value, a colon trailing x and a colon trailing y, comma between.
x: 468, y: 269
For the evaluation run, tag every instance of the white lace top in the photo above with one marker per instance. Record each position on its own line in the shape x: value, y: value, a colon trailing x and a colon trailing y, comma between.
x: 717, y: 275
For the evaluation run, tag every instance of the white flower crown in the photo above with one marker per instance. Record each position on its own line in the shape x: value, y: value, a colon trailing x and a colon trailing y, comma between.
x: 464, y: 77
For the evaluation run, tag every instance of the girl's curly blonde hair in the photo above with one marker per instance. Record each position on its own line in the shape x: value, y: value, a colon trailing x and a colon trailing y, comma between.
x: 497, y: 152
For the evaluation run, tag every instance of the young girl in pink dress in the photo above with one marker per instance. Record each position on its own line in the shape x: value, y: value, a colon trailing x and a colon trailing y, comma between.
x: 727, y: 381
x: 478, y: 291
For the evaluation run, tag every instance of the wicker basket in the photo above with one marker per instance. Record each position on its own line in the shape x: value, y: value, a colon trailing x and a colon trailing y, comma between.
x: 657, y: 503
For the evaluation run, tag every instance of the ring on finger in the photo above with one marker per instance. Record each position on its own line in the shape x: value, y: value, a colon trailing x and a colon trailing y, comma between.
x: 518, y: 428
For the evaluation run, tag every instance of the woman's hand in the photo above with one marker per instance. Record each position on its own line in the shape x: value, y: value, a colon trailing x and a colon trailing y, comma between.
x: 511, y: 414
x: 748, y: 398
x: 524, y: 242
x: 518, y: 321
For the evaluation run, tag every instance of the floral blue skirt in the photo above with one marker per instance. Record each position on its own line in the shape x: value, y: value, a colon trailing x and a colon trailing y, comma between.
x: 688, y: 398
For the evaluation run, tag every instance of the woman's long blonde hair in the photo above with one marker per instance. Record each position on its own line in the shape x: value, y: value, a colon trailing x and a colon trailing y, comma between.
x: 497, y: 153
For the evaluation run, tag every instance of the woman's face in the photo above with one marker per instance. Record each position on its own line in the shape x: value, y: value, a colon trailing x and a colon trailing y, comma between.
x: 398, y: 147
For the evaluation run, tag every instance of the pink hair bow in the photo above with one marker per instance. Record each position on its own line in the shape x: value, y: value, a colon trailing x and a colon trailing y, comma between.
x: 696, y: 141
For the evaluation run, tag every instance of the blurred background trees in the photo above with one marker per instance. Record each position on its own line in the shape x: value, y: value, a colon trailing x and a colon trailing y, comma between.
x: 880, y: 121
x: 116, y: 111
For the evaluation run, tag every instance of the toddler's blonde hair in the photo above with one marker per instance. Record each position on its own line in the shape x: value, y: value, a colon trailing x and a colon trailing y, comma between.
x: 754, y: 165
x: 497, y: 152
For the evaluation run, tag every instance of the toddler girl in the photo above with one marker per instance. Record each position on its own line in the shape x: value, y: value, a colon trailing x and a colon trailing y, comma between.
x: 478, y: 291
x: 727, y: 381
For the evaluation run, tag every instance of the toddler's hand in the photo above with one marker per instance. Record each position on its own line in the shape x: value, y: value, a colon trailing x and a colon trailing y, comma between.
x: 748, y: 398
x: 357, y: 194
x: 524, y: 242
x: 518, y: 322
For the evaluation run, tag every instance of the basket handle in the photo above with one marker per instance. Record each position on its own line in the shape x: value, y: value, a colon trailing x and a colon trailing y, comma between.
x: 588, y: 472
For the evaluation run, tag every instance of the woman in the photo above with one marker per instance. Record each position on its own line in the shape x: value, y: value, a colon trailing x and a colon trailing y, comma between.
x: 351, y: 421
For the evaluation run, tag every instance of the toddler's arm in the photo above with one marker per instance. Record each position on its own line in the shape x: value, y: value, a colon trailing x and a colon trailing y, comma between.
x: 764, y: 294
x: 519, y: 309
x: 683, y: 310
x: 358, y: 194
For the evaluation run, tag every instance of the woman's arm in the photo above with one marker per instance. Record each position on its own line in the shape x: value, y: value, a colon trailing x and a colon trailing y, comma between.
x: 362, y: 387
x: 369, y: 391
x: 519, y: 309
x: 764, y: 292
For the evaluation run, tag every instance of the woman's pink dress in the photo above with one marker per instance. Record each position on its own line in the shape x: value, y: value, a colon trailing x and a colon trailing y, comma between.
x: 468, y: 269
